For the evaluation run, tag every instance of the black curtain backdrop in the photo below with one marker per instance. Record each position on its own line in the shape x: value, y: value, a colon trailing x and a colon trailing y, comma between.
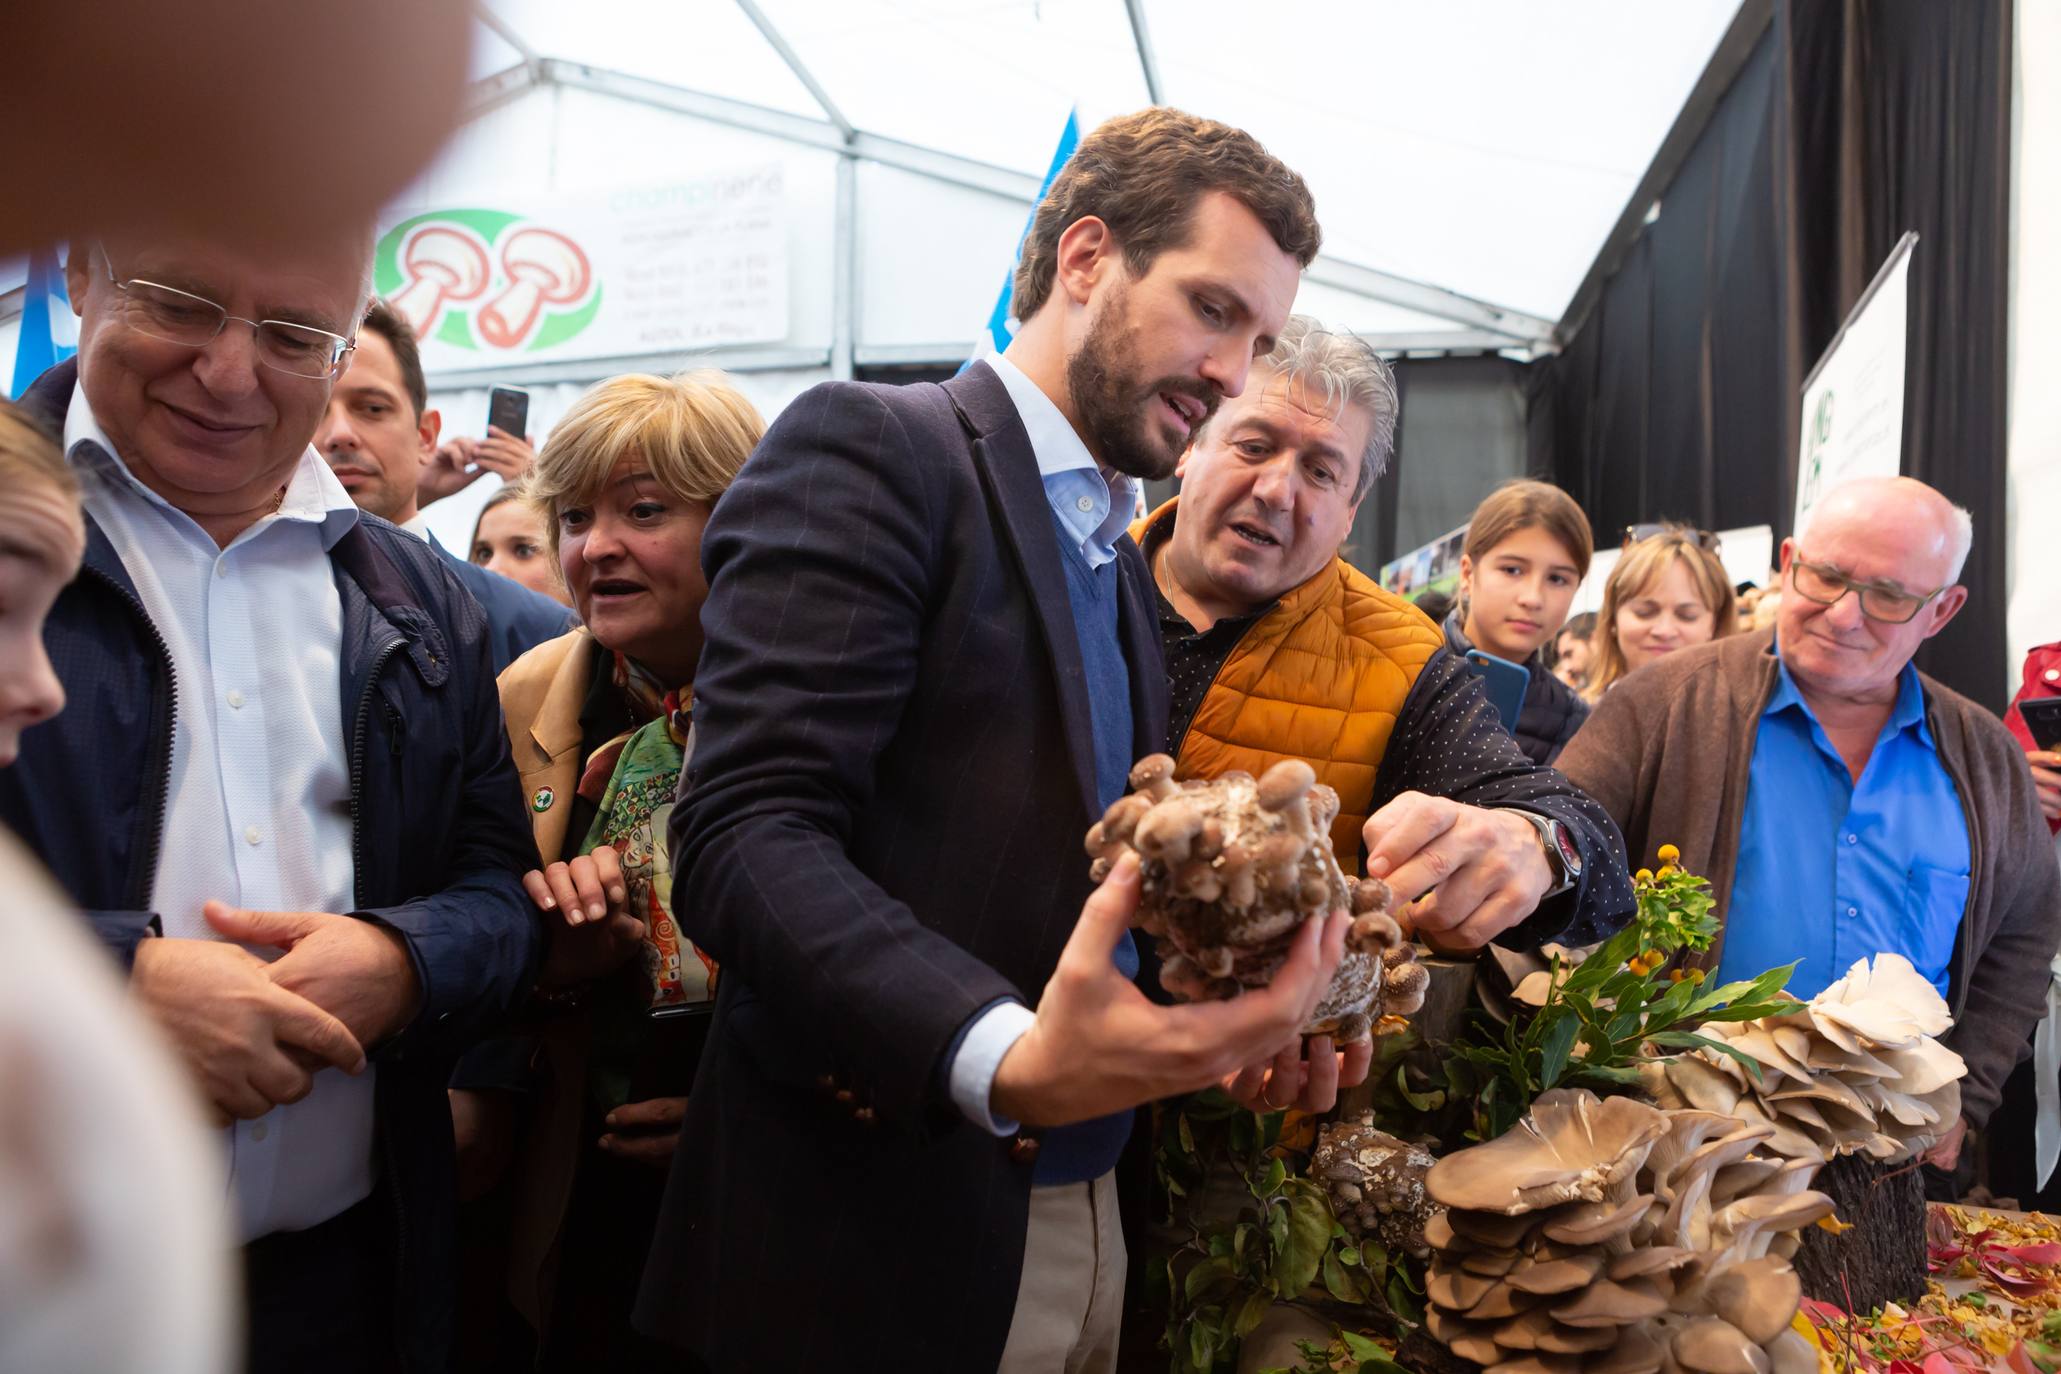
x: 1851, y: 122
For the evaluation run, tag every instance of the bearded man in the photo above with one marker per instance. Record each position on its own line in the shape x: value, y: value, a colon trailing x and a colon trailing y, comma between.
x: 931, y: 661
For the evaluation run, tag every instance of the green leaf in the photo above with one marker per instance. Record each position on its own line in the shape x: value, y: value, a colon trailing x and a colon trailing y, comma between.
x: 1202, y: 1347
x: 1240, y: 1238
x: 1208, y: 1278
x: 1277, y: 1174
x: 1308, y: 1234
x: 1761, y: 989
x: 1250, y: 1312
x: 1685, y: 1040
x: 1401, y: 1300
x: 1553, y: 1051
x: 1422, y: 1102
x: 1339, y: 1282
x: 1187, y: 1135
x: 1349, y: 1254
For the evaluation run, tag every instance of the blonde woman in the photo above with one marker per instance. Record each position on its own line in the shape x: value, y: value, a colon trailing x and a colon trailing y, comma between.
x: 1667, y: 592
x: 598, y: 723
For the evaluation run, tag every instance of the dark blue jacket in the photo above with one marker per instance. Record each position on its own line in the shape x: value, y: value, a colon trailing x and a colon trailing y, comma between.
x: 518, y: 619
x: 880, y: 838
x: 439, y: 829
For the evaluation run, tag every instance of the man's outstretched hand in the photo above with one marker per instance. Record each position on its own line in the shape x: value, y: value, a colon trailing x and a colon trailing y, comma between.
x: 1099, y: 1045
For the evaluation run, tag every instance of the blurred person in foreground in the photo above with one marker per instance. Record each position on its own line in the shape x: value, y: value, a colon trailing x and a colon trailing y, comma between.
x: 1528, y: 549
x: 599, y: 721
x: 1840, y: 801
x: 1278, y: 648
x: 282, y: 737
x: 1667, y: 591
x: 375, y: 434
x: 511, y: 538
x: 113, y: 1258
x: 931, y: 661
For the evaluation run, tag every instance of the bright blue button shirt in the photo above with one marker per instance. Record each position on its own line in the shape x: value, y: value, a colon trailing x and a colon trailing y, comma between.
x: 1832, y: 870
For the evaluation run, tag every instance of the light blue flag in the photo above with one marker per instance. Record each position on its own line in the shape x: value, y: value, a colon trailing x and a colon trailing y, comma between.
x: 1001, y: 328
x: 49, y: 331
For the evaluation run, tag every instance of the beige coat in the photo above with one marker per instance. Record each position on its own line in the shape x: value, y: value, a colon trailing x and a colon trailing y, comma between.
x: 541, y: 696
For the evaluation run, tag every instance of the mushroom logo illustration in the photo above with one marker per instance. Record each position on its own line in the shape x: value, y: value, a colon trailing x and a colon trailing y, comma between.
x: 445, y: 265
x: 542, y: 267
x: 488, y: 281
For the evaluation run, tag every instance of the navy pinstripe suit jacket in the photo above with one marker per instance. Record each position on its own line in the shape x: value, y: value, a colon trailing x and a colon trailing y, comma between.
x: 880, y: 835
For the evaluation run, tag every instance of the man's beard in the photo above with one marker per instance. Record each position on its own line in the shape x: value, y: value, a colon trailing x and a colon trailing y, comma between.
x: 1114, y: 410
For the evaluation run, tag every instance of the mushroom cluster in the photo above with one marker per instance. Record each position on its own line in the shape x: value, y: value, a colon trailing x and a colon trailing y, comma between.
x: 1232, y: 867
x: 1854, y: 1069
x: 1614, y: 1237
x: 1376, y: 1185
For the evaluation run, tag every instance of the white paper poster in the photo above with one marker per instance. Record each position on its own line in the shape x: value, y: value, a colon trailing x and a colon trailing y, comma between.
x: 1853, y: 401
x: 645, y: 269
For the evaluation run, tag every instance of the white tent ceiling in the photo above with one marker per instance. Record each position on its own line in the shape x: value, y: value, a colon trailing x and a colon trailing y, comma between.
x: 1482, y: 148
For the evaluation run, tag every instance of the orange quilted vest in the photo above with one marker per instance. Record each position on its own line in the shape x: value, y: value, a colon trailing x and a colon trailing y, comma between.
x: 1321, y: 678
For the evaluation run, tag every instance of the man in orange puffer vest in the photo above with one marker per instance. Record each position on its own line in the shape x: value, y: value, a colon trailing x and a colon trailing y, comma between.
x: 1276, y: 648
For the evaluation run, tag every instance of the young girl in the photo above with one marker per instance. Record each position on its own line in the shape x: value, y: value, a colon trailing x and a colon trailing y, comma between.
x: 1527, y: 550
x: 1667, y: 592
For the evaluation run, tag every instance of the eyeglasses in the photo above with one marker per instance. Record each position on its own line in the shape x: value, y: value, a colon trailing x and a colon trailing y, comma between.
x: 1825, y: 584
x: 180, y: 317
x: 1706, y: 540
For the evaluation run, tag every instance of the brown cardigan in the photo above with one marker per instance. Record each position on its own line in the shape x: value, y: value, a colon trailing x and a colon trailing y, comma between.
x: 1667, y: 752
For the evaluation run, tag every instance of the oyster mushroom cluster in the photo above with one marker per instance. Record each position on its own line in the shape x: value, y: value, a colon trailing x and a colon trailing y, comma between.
x: 1609, y: 1236
x: 1855, y: 1069
x: 1376, y: 1185
x: 1232, y: 867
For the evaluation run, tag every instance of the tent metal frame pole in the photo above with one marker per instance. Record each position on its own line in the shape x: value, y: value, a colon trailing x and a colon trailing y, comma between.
x: 1141, y: 35
x: 780, y: 45
x: 1518, y: 329
x: 844, y: 276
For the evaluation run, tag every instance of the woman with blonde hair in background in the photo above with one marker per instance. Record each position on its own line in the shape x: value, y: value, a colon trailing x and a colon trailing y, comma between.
x: 1667, y: 592
x: 598, y: 722
x: 1528, y: 548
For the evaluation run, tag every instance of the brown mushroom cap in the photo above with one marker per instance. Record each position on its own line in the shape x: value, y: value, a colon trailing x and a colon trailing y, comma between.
x: 1154, y: 776
x: 1456, y: 1290
x: 1757, y: 1296
x: 1571, y: 1147
x: 1469, y: 1340
x: 1287, y: 782
x: 1709, y: 1345
x: 1555, y: 1275
x: 1168, y: 831
x: 1121, y: 819
x: 1592, y: 1223
x: 1609, y: 1303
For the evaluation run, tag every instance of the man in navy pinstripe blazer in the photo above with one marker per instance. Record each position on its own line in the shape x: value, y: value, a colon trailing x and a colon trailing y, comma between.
x: 931, y: 657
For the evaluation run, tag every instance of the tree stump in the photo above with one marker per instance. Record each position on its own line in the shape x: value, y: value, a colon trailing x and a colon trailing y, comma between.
x: 1423, y: 1355
x: 1882, y: 1258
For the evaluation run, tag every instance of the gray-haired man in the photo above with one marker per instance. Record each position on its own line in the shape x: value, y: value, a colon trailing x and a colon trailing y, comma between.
x: 1276, y: 648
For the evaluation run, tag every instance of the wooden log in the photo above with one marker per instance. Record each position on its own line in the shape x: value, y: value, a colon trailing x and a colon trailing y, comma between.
x: 1880, y: 1260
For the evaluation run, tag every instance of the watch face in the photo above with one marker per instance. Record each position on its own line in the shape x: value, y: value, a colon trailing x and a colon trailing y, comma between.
x: 1569, y: 854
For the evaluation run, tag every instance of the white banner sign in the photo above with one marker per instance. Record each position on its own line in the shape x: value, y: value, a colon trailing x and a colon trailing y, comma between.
x: 1853, y: 401
x: 648, y: 269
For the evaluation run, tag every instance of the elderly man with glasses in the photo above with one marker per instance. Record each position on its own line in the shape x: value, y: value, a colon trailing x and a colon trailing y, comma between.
x: 1842, y: 803
x: 280, y: 792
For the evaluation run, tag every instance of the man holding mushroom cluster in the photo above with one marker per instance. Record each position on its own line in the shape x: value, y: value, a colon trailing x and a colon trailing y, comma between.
x: 1277, y: 648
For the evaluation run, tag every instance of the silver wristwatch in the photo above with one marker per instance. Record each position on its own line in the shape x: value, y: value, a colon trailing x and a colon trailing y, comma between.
x: 1563, y: 856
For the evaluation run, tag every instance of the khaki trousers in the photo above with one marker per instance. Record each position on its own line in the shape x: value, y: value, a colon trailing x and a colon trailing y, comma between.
x: 1069, y: 1303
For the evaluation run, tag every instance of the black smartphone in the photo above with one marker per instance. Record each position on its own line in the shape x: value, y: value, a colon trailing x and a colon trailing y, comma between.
x: 2043, y: 721
x: 508, y: 410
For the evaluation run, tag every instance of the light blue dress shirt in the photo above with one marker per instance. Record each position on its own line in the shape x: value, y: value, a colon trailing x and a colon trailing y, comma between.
x: 259, y: 810
x: 1091, y: 508
x: 1832, y: 870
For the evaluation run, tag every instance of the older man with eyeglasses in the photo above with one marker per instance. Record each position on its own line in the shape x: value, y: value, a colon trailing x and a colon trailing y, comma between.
x: 281, y: 792
x: 1841, y: 802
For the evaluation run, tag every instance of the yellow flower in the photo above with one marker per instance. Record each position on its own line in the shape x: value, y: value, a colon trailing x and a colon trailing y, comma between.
x: 1644, y: 875
x: 1668, y: 871
x: 1669, y: 854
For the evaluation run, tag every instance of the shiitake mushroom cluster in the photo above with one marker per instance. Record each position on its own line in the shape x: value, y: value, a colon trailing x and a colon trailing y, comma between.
x: 1853, y: 1070
x: 1375, y: 1182
x: 1613, y: 1237
x: 1232, y: 866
